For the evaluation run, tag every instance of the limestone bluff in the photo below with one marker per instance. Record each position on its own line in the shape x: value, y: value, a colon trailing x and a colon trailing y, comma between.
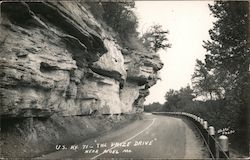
x: 56, y: 58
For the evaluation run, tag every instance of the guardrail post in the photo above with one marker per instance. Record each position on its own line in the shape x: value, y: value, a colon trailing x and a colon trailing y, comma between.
x: 211, y: 140
x: 201, y: 121
x: 224, y: 151
x: 205, y: 125
x: 201, y: 126
x: 205, y: 130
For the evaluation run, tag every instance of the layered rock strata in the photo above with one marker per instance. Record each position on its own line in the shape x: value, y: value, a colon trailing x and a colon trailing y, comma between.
x: 56, y: 58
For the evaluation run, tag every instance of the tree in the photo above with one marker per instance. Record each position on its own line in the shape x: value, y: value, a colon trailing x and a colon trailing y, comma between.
x: 228, y: 60
x: 204, y: 82
x: 172, y: 99
x: 121, y: 18
x: 154, y: 107
x: 156, y: 38
x: 186, y: 94
x: 227, y: 49
x: 179, y: 100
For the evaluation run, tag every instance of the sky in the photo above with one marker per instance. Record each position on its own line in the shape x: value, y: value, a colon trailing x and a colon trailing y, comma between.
x: 188, y: 23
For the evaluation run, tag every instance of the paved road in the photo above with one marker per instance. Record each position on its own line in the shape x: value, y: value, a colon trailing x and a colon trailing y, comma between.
x: 154, y: 137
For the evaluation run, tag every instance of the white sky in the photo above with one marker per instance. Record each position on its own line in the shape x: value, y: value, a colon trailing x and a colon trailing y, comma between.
x: 188, y: 23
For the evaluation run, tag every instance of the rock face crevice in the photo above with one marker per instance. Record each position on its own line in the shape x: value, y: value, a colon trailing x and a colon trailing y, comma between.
x: 56, y: 58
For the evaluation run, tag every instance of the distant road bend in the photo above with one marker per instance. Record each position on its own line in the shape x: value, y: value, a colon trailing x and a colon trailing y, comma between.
x: 154, y: 137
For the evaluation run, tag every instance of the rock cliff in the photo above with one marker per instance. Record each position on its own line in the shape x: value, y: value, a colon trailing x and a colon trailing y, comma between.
x: 56, y: 58
x: 64, y: 78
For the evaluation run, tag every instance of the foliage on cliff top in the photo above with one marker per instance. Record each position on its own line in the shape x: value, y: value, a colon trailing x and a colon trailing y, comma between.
x: 155, y: 38
x: 122, y: 19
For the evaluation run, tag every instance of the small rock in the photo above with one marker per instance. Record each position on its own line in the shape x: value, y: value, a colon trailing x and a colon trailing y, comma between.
x: 19, y: 53
x: 15, y: 50
x: 32, y: 50
x: 125, y: 51
x: 25, y: 32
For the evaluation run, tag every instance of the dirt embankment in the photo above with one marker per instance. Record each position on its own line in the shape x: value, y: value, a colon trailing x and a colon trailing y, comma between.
x: 31, y: 138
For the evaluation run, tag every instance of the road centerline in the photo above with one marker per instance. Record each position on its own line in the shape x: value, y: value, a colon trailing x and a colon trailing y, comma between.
x: 151, y: 124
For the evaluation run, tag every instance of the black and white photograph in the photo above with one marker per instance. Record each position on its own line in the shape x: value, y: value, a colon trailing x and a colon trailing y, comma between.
x: 124, y: 79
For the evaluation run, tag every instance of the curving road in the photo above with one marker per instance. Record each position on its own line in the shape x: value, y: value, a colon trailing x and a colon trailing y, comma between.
x: 154, y: 137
